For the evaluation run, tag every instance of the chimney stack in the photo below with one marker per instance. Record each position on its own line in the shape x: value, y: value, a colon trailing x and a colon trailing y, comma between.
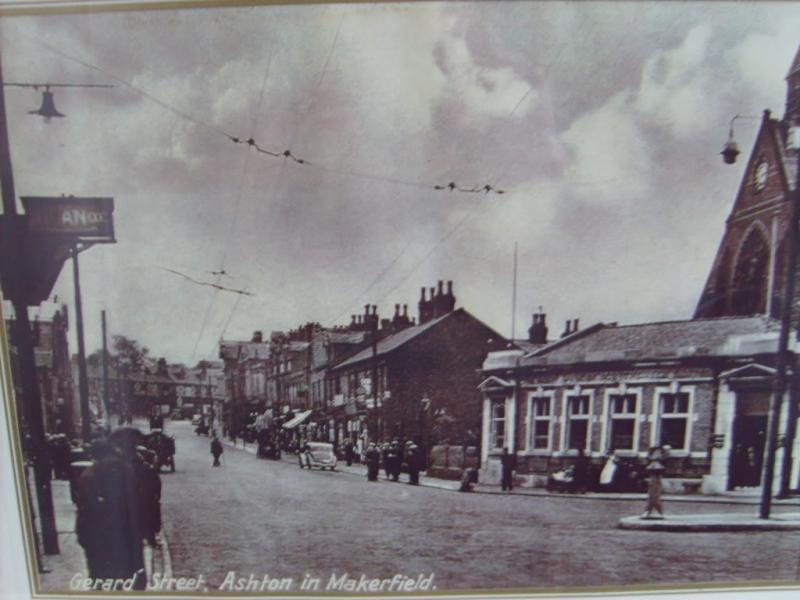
x: 258, y: 337
x: 567, y: 329
x: 537, y: 333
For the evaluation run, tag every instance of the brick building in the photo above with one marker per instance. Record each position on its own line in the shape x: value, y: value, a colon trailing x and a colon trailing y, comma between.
x: 629, y: 388
x: 426, y: 377
x: 701, y: 386
x: 50, y: 327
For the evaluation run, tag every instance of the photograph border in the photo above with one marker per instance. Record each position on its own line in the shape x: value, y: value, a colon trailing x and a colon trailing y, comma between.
x: 24, y: 8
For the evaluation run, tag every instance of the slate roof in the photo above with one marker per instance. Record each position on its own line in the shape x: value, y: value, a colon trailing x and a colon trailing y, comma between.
x: 602, y: 342
x: 345, y: 337
x: 394, y: 341
x: 229, y: 349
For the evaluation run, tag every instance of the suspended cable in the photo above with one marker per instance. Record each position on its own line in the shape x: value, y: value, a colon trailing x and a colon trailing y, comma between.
x: 216, y: 286
x: 263, y: 149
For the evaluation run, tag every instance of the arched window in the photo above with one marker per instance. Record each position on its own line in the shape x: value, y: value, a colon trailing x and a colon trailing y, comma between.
x: 750, y: 276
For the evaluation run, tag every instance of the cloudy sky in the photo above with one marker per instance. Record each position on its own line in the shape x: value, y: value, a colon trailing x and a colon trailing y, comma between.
x: 603, y: 122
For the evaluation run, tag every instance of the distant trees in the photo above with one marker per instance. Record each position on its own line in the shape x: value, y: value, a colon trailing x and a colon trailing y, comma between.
x: 129, y: 355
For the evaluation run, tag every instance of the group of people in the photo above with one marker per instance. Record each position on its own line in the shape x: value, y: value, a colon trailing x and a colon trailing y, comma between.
x: 118, y: 502
x: 392, y: 455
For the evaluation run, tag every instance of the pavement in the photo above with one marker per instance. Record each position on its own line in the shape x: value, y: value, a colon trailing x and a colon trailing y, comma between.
x: 714, y: 523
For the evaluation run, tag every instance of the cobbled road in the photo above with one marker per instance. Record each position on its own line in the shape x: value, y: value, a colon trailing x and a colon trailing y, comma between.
x: 271, y: 517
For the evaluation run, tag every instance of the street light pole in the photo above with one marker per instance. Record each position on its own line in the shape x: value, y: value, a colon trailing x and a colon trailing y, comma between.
x: 783, y: 355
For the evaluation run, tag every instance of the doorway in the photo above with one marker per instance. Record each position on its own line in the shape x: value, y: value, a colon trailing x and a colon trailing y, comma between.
x: 749, y: 439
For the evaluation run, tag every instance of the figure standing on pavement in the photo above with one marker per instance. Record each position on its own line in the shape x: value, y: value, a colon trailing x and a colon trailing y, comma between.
x: 387, y: 459
x: 413, y: 462
x: 216, y: 449
x: 348, y: 452
x: 373, y: 459
x: 394, y: 460
x: 655, y: 471
x: 508, y: 463
x: 109, y: 523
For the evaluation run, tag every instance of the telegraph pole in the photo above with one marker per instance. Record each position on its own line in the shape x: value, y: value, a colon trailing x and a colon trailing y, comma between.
x: 106, y: 402
x: 83, y: 379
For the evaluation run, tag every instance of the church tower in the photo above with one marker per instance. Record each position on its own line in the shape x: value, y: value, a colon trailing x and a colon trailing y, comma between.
x: 747, y: 275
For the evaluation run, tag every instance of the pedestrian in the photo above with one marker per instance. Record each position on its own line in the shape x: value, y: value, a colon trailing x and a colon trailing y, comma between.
x: 386, y: 459
x: 394, y: 460
x: 509, y: 463
x: 655, y: 471
x: 348, y: 452
x: 304, y: 454
x: 373, y: 458
x: 216, y: 449
x: 608, y: 475
x: 413, y: 462
x: 107, y: 521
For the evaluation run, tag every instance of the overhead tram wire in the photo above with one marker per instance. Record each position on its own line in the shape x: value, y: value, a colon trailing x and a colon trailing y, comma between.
x: 286, y: 154
x: 452, y: 231
x: 235, y: 216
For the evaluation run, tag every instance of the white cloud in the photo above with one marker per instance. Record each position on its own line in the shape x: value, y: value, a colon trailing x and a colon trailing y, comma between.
x: 674, y: 90
x: 610, y: 155
x: 486, y: 92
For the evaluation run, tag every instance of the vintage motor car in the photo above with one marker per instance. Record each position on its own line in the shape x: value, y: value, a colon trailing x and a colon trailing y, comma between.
x: 317, y: 454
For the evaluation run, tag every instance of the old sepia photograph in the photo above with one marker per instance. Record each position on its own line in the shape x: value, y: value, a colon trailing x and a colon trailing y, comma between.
x: 400, y: 299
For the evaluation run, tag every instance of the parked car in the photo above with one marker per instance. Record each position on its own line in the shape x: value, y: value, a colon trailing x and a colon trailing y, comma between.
x: 176, y: 415
x: 196, y: 418
x: 317, y: 454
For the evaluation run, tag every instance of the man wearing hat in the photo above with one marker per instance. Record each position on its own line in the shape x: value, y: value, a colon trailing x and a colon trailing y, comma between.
x: 412, y: 460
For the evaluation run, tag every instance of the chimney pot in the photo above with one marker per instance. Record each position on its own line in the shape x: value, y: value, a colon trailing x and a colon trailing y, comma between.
x: 433, y: 292
x: 405, y: 310
x: 575, y: 326
x: 441, y: 286
x: 449, y: 288
x: 422, y: 296
x: 396, y: 310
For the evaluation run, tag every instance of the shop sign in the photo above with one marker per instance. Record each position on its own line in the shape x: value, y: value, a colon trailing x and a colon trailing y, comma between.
x: 78, y: 219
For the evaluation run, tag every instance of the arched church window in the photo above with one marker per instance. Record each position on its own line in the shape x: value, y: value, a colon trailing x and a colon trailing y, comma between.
x: 751, y: 276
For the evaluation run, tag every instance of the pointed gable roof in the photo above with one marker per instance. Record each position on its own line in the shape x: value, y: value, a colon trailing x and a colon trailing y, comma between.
x: 795, y: 68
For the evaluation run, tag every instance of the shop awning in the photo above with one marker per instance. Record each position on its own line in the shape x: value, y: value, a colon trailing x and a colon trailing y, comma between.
x: 298, y: 418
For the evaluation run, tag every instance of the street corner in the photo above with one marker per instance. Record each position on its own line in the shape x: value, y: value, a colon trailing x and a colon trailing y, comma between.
x: 712, y: 523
